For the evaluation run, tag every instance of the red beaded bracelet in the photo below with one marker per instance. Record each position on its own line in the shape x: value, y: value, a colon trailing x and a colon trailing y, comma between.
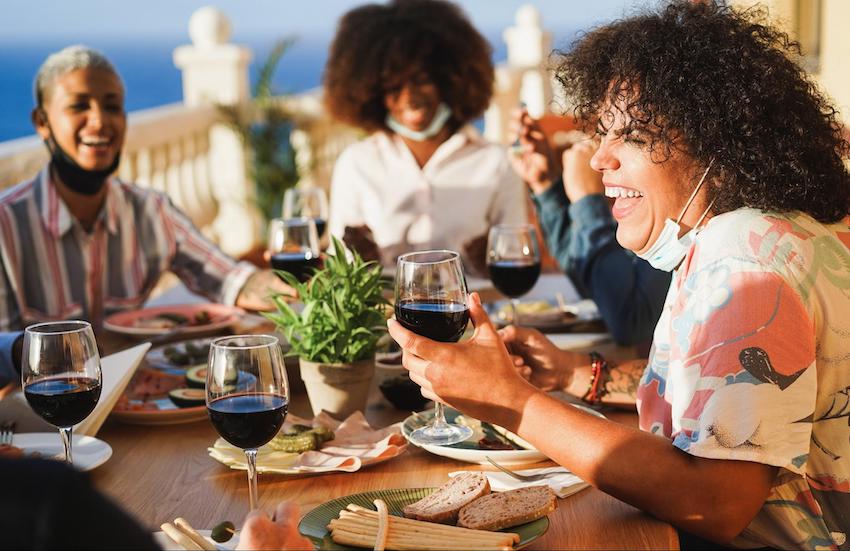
x: 599, y: 375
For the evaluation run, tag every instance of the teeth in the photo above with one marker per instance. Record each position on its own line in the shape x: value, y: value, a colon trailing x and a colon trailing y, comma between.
x: 95, y: 141
x: 614, y: 192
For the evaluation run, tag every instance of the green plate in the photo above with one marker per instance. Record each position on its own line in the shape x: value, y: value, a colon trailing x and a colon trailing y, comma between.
x: 314, y: 525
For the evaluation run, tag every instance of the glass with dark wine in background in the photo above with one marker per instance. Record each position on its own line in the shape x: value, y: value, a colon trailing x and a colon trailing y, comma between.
x: 293, y: 247
x: 431, y: 300
x: 513, y: 260
x: 307, y: 202
x: 247, y: 395
x: 60, y: 375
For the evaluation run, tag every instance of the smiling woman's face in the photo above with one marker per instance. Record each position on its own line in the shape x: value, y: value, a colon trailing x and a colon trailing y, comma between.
x: 647, y: 192
x: 85, y: 112
x: 415, y: 104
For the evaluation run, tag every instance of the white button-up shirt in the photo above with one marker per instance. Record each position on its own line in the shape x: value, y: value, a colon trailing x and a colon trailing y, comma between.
x: 465, y: 187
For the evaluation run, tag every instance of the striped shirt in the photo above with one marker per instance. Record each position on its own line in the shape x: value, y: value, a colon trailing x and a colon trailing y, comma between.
x: 53, y: 269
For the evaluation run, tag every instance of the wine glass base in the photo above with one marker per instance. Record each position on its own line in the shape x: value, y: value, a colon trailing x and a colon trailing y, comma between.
x: 444, y: 435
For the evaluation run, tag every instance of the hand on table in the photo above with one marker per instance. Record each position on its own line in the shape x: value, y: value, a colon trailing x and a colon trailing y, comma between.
x: 257, y: 291
x: 281, y: 532
x: 537, y: 359
x: 536, y: 162
x: 475, y: 376
x: 360, y: 239
x: 580, y: 179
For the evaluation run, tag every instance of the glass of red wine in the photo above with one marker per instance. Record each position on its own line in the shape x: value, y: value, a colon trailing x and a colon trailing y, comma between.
x: 247, y: 395
x: 60, y: 374
x: 430, y: 300
x: 307, y: 202
x: 513, y: 260
x: 294, y: 247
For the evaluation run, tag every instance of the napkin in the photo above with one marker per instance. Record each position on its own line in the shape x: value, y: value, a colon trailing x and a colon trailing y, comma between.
x: 355, y: 445
x: 117, y: 370
x: 561, y: 481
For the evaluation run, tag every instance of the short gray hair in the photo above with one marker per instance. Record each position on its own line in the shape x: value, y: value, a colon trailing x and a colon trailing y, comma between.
x: 66, y: 60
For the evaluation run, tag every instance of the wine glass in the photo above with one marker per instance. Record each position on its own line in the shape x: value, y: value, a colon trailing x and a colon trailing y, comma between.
x: 430, y: 300
x: 247, y: 395
x: 307, y: 202
x: 294, y: 247
x: 513, y: 260
x: 60, y: 374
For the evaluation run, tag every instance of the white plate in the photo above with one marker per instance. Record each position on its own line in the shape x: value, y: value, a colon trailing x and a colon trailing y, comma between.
x: 89, y: 452
x: 469, y: 455
x: 169, y: 544
x: 221, y: 316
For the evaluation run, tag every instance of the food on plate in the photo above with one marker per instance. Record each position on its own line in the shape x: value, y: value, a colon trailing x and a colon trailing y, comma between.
x: 535, y: 308
x: 148, y: 383
x: 223, y: 531
x: 301, y: 438
x: 359, y: 526
x: 383, y: 525
x: 187, y: 354
x: 444, y: 505
x: 196, y: 377
x: 182, y: 533
x: 505, y: 509
x: 489, y: 443
x: 170, y: 320
x: 187, y: 397
x: 8, y: 451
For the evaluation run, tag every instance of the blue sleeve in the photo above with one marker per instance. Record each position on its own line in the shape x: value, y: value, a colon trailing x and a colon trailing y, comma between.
x: 8, y: 372
x: 583, y: 238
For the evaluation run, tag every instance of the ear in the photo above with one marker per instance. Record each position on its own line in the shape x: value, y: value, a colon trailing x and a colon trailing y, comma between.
x: 39, y: 120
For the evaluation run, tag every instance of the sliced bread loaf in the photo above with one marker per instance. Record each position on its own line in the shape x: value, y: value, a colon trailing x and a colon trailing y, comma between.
x: 506, y: 509
x: 443, y: 505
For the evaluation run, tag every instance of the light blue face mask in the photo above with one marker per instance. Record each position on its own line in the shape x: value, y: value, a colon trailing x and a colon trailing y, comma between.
x: 441, y: 116
x: 669, y: 249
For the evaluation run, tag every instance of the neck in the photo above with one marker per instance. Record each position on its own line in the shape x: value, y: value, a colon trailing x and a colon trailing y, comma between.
x: 424, y: 150
x: 84, y: 208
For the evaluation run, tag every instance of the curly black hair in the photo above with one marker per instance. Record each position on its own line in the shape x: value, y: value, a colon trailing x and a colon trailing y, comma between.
x: 379, y: 48
x: 718, y: 83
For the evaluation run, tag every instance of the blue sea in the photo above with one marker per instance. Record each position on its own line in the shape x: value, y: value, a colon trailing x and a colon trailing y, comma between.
x: 149, y: 74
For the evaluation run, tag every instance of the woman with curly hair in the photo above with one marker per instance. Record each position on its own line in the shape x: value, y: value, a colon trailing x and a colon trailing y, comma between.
x: 727, y: 166
x: 414, y: 73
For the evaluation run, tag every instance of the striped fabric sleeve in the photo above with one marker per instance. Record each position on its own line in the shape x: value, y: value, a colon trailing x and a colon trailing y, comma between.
x: 200, y: 264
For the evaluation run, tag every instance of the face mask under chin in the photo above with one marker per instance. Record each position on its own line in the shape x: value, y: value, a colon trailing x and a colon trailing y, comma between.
x: 438, y: 121
x: 75, y: 177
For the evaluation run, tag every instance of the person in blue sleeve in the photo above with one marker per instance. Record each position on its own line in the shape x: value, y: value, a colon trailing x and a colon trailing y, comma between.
x: 10, y: 357
x: 580, y: 233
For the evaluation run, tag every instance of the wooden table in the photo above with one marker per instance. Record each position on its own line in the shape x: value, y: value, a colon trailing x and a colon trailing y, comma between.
x: 160, y: 473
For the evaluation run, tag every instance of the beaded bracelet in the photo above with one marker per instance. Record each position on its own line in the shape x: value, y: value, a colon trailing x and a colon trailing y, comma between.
x: 599, y: 375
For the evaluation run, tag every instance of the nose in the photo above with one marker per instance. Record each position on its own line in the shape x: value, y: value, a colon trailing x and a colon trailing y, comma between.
x: 96, y: 116
x: 604, y: 158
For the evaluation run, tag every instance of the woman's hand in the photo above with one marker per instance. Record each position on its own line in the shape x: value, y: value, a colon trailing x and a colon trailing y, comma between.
x: 476, y: 376
x: 536, y: 162
x: 279, y: 532
x: 538, y: 360
x: 580, y: 179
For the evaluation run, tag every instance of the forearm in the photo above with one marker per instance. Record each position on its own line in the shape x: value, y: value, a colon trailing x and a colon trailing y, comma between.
x: 620, y: 382
x: 646, y: 471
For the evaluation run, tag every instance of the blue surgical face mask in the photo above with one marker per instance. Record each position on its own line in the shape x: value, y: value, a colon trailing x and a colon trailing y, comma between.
x: 441, y: 116
x: 669, y: 249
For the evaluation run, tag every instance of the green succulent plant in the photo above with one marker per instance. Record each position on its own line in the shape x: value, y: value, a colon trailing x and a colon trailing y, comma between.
x: 344, y: 312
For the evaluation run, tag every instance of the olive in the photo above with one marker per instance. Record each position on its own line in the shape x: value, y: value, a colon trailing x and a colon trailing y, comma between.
x: 223, y: 531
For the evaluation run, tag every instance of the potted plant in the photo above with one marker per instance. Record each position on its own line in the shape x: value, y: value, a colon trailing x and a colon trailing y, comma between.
x: 336, y: 333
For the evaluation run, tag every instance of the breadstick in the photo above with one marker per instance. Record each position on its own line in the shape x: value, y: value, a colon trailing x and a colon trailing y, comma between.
x: 383, y: 525
x: 428, y: 532
x: 179, y: 537
x: 183, y: 525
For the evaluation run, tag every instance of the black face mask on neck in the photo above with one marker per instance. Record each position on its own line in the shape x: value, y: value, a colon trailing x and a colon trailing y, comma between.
x: 77, y: 178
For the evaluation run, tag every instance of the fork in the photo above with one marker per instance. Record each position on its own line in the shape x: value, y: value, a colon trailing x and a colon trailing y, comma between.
x: 522, y: 477
x: 7, y: 431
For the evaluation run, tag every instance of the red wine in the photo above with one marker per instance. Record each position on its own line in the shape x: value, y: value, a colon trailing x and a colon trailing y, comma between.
x: 248, y: 420
x: 300, y: 265
x: 321, y: 224
x: 514, y: 278
x: 440, y: 320
x: 63, y: 401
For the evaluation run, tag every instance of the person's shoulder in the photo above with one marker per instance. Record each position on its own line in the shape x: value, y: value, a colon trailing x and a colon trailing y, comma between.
x: 365, y: 148
x: 138, y: 194
x: 22, y: 191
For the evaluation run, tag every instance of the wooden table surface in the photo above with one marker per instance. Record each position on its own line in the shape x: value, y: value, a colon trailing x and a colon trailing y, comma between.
x: 160, y: 473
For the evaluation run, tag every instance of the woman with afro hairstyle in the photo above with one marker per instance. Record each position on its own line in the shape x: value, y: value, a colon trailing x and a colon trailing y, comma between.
x: 413, y: 74
x: 727, y: 165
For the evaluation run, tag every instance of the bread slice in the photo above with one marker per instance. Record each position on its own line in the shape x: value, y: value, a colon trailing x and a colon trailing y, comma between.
x: 443, y: 505
x: 506, y: 509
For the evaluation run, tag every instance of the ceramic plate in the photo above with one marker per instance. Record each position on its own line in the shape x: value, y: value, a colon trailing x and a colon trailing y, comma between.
x: 89, y: 452
x: 314, y: 524
x: 548, y: 318
x: 133, y: 322
x: 469, y: 451
x: 169, y: 544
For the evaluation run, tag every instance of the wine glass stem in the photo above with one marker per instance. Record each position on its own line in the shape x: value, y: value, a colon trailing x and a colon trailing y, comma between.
x: 514, y: 315
x: 439, y: 416
x: 251, y: 456
x: 67, y: 439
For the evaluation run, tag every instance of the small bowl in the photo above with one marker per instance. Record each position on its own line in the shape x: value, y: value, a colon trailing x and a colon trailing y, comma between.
x: 403, y: 393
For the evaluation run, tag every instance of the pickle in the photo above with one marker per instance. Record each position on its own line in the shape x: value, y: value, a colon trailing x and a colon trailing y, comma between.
x: 323, y: 433
x: 295, y: 443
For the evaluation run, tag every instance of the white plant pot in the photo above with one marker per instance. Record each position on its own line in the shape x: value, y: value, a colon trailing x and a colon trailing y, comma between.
x: 339, y: 389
